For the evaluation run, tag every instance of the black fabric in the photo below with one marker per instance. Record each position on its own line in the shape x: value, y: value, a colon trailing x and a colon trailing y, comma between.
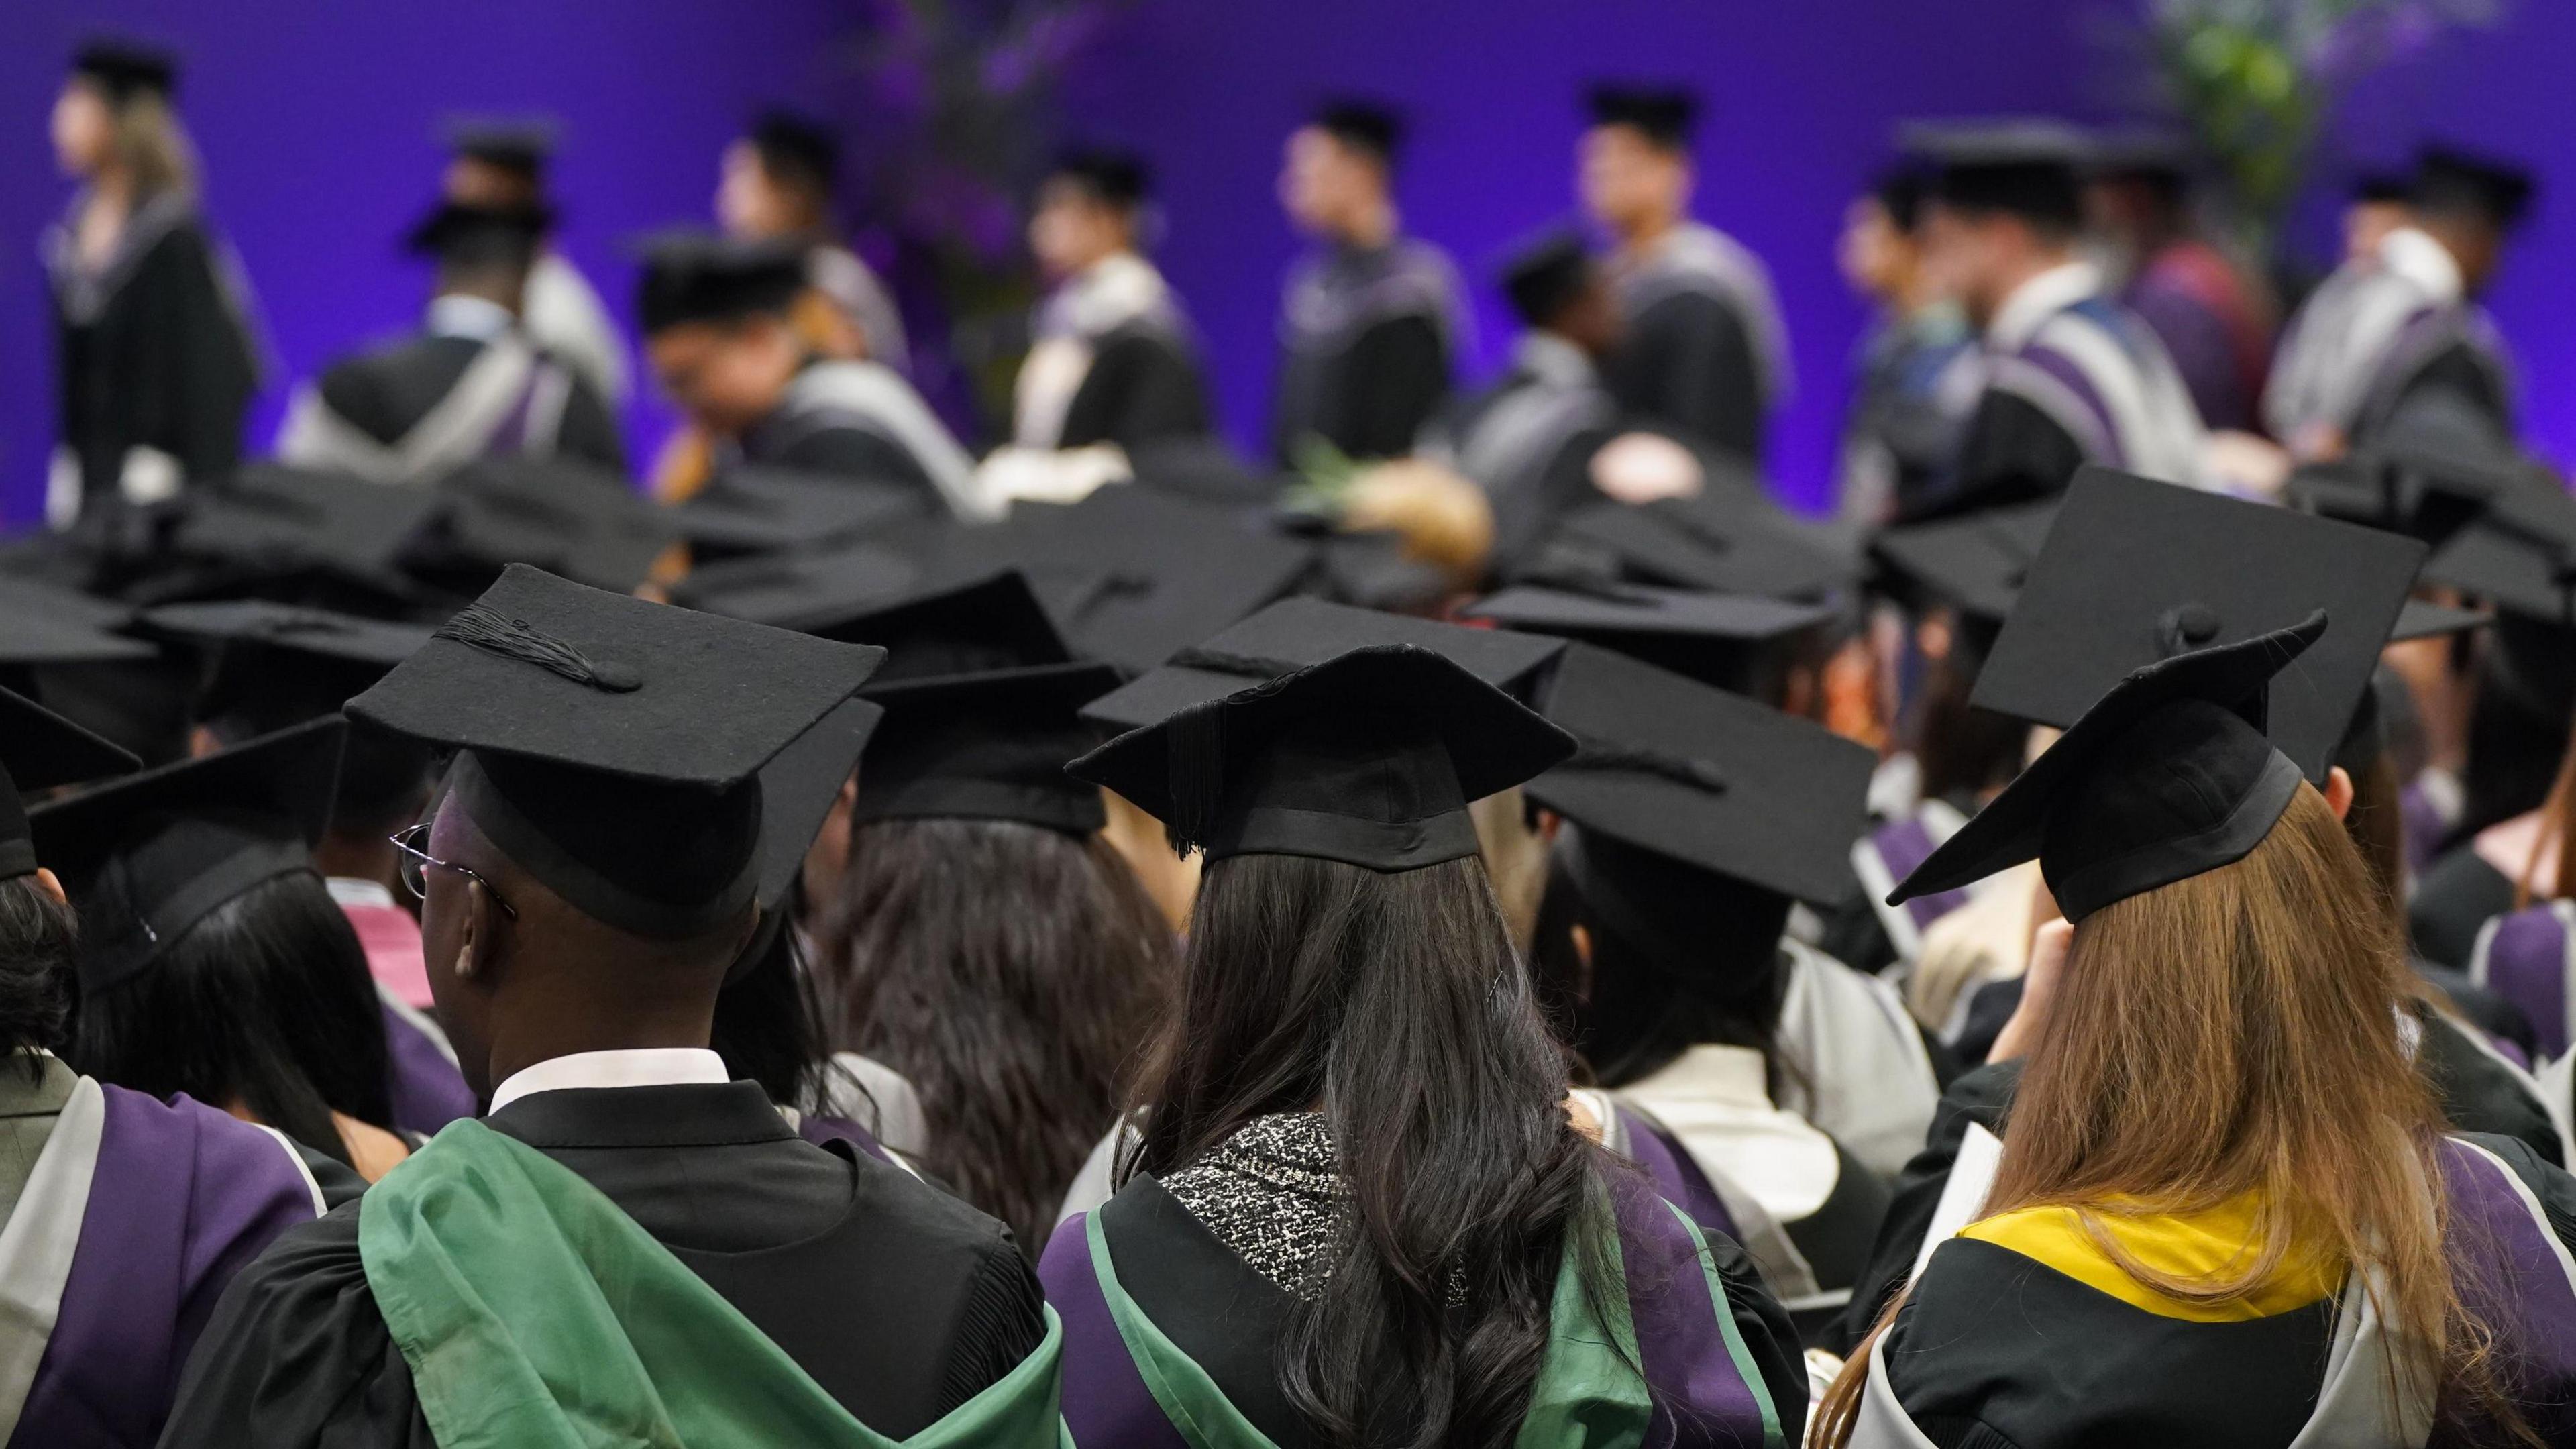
x: 2499, y: 1016
x: 986, y: 746
x: 463, y: 234
x: 1689, y: 361
x: 2458, y: 894
x: 1143, y: 387
x: 1837, y: 1237
x: 698, y: 277
x: 900, y: 1301
x: 757, y: 510
x: 1979, y: 1097
x: 386, y: 391
x: 40, y: 749
x: 1729, y: 538
x: 1663, y: 115
x: 1974, y: 564
x: 2479, y: 1093
x: 1370, y: 397
x: 1733, y: 642
x: 992, y: 621
x: 273, y: 519
x: 841, y: 445
x: 2013, y: 453
x: 1212, y: 1305
x: 2030, y: 169
x: 669, y: 862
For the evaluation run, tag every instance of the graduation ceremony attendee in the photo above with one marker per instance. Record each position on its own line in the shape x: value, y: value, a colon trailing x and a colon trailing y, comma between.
x: 1915, y: 378
x: 1706, y: 351
x: 1361, y: 1211
x: 2072, y: 377
x: 2374, y: 206
x: 474, y: 383
x: 777, y: 184
x: 589, y: 878
x: 2522, y: 953
x: 213, y: 960
x: 125, y: 1215
x: 717, y: 328
x: 2214, y: 320
x: 2289, y: 1247
x: 503, y: 164
x: 1794, y: 1085
x: 1371, y: 321
x: 156, y: 350
x: 2394, y: 346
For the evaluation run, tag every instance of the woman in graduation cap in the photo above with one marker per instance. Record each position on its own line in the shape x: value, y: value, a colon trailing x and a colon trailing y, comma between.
x: 1361, y: 1211
x: 126, y: 1215
x: 2283, y: 1246
x: 155, y: 344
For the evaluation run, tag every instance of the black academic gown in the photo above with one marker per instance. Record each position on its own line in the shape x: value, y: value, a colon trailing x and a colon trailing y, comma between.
x: 900, y: 1301
x: 1143, y: 387
x: 1365, y: 349
x: 858, y: 420
x: 1528, y: 441
x: 386, y: 392
x: 1689, y: 361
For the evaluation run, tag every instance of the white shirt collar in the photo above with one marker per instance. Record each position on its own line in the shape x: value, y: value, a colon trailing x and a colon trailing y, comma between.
x: 2038, y: 299
x: 479, y: 318
x: 1551, y: 358
x: 633, y: 1067
x: 2413, y: 254
x: 351, y: 891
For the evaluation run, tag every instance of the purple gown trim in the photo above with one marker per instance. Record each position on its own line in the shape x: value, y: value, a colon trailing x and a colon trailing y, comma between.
x: 1105, y: 1398
x: 1902, y: 845
x: 2526, y: 963
x: 2074, y: 379
x: 2421, y: 826
x: 2513, y: 1276
x: 1675, y: 1173
x: 823, y: 1131
x: 427, y: 1090
x: 182, y: 1199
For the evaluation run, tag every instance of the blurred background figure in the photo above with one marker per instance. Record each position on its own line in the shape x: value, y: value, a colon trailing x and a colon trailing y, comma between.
x: 2213, y: 318
x: 778, y: 182
x: 502, y: 165
x: 1916, y: 377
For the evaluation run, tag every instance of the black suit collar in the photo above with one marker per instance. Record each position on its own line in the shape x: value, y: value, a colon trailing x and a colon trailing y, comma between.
x: 697, y: 1115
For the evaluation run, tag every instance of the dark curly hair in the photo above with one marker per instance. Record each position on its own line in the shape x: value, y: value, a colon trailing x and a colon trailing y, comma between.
x: 39, y: 950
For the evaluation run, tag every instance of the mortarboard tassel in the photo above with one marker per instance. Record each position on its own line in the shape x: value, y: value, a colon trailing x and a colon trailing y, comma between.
x: 480, y: 626
x: 1595, y: 753
x: 1197, y: 764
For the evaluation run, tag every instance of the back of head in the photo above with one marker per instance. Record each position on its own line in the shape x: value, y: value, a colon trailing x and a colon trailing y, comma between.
x: 39, y: 952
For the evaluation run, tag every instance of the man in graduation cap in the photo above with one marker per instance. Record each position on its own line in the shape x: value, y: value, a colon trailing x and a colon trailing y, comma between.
x: 2072, y: 376
x: 472, y: 384
x: 2394, y: 347
x: 1706, y: 351
x: 503, y: 163
x: 777, y: 184
x: 1371, y: 320
x: 717, y: 317
x: 589, y: 879
x: 2212, y: 317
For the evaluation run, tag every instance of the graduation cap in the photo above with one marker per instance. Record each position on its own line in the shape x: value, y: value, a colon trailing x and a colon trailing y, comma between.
x: 1297, y: 634
x: 1728, y: 538
x: 124, y: 69
x: 802, y: 590
x: 1546, y: 275
x: 695, y: 276
x: 1899, y: 191
x: 1721, y: 640
x: 610, y: 746
x: 1368, y: 126
x: 1974, y: 564
x: 992, y: 621
x: 989, y: 745
x: 750, y: 510
x: 797, y: 789
x: 1116, y: 178
x: 2137, y: 570
x: 2424, y: 619
x: 41, y: 624
x: 40, y: 750
x: 2167, y: 776
x: 149, y: 856
x: 1707, y: 778
x: 2021, y: 167
x: 2451, y: 181
x: 796, y: 148
x: 2381, y: 186
x: 2520, y: 556
x: 1203, y: 468
x: 1663, y: 115
x: 462, y: 235
x: 1375, y: 569
x: 1369, y: 758
x: 519, y: 144
x: 569, y: 517
x: 65, y: 650
x: 274, y: 520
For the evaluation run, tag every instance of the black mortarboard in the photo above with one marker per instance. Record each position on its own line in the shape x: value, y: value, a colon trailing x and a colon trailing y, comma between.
x: 566, y: 516
x: 41, y: 624
x: 149, y: 856
x: 693, y: 276
x: 123, y: 69
x: 1369, y: 758
x: 2520, y: 556
x: 1297, y: 634
x: 1367, y: 126
x: 797, y: 788
x: 609, y: 745
x: 1899, y: 191
x: 64, y: 650
x: 459, y: 235
x: 1376, y: 569
x: 989, y: 745
x: 796, y: 148
x: 2025, y: 168
x: 2137, y: 570
x: 520, y: 144
x: 2167, y: 776
x: 767, y: 510
x: 1116, y: 178
x: 1728, y: 537
x: 1663, y: 115
x: 1974, y: 564
x: 273, y: 519
x: 1544, y: 276
x: 801, y: 590
x: 992, y: 621
x: 1708, y: 778
x: 2424, y: 619
x: 39, y: 750
x: 2450, y: 181
x: 1721, y: 640
x: 2382, y: 186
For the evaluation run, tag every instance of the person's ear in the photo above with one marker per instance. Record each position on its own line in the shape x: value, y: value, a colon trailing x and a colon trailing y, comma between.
x: 1581, y: 936
x: 2338, y: 792
x: 474, y: 936
x: 1550, y: 825
x: 52, y: 885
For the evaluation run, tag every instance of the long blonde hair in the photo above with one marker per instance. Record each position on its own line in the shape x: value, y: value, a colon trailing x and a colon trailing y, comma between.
x: 2235, y: 1035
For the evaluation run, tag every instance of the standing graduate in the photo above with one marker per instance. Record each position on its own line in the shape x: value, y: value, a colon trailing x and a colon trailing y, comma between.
x: 777, y: 184
x: 155, y: 345
x: 716, y: 318
x: 2072, y: 377
x: 2214, y: 320
x: 1917, y: 374
x: 1361, y: 1211
x: 591, y: 875
x: 501, y: 165
x: 475, y: 383
x: 1371, y: 322
x: 1706, y: 351
x: 2394, y: 346
x: 2288, y: 1248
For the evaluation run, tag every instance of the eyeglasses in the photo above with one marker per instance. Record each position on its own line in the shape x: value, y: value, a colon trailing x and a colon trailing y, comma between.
x: 416, y: 862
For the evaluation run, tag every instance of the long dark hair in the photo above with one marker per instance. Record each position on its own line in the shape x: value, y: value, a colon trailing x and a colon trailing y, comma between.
x: 39, y: 949
x: 1649, y: 1000
x: 1395, y: 1003
x: 1008, y: 972
x: 769, y: 1026
x: 1963, y: 751
x: 265, y: 1001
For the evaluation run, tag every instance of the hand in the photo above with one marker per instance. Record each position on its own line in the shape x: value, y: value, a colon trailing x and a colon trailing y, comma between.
x: 2038, y: 992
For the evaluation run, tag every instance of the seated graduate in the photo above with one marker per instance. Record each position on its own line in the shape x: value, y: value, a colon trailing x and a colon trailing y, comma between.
x: 1705, y: 351
x: 986, y: 943
x: 213, y: 960
x: 472, y: 385
x: 2287, y: 1248
x: 1771, y: 1076
x: 2523, y: 953
x: 1916, y: 372
x: 2215, y: 320
x: 2072, y: 376
x: 126, y: 1216
x: 777, y: 183
x: 716, y: 318
x: 590, y: 876
x: 1371, y: 321
x: 1361, y: 1211
x: 501, y: 163
x: 271, y: 666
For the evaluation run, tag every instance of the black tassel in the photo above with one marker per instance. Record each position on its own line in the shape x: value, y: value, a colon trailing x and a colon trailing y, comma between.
x: 1195, y: 739
x: 1594, y: 753
x: 1199, y: 656
x: 480, y: 626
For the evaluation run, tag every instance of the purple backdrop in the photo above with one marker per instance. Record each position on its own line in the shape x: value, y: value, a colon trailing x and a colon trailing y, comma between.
x: 316, y: 120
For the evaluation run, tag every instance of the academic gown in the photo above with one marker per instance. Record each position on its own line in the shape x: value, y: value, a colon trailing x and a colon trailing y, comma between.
x: 2190, y: 294
x: 1705, y: 349
x: 901, y: 1302
x: 157, y: 363
x: 1366, y: 340
x: 2391, y: 349
x: 1914, y: 382
x: 1114, y: 361
x: 862, y: 420
x: 2529, y: 958
x: 2453, y: 901
x: 1528, y: 440
x: 563, y: 314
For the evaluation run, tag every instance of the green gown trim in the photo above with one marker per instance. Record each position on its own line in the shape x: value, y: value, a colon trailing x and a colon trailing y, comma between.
x: 535, y: 1314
